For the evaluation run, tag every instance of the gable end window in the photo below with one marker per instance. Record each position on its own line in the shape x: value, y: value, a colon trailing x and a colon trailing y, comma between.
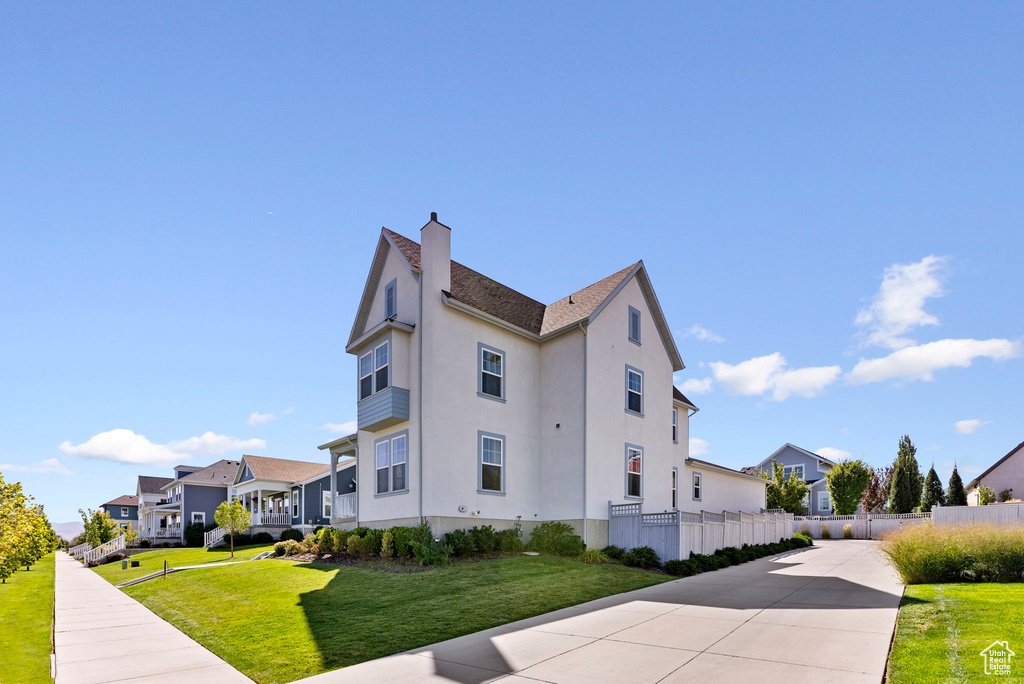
x: 490, y: 372
x: 391, y: 300
x: 634, y: 391
x: 124, y: 512
x: 391, y: 456
x: 698, y: 486
x: 634, y: 325
x: 492, y: 463
x: 634, y: 472
x: 798, y: 470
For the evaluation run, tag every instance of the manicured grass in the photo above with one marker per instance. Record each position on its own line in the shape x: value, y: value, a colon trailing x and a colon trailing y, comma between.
x: 279, y: 620
x: 26, y: 622
x: 942, y: 629
x: 153, y: 561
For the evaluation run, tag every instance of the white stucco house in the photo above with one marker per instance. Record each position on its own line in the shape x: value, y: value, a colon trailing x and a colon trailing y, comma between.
x: 1005, y: 474
x: 480, y: 405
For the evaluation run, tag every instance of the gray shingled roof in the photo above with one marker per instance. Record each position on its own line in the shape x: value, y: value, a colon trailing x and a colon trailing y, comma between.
x: 679, y: 396
x: 284, y: 470
x: 124, y: 500
x: 220, y: 473
x: 153, y: 485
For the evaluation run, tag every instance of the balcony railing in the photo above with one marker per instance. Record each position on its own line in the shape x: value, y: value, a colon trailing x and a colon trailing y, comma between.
x: 275, y: 519
x: 169, y: 532
x: 344, y: 507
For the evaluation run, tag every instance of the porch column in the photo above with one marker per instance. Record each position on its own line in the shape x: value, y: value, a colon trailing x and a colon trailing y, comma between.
x: 259, y: 506
x: 334, y: 481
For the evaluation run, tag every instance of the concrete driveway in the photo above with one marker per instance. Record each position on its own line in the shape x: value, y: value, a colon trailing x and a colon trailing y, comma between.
x: 823, y: 614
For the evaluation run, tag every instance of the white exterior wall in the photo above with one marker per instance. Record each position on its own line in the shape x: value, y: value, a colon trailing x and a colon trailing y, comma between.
x: 561, y: 402
x: 1007, y: 475
x: 721, y: 492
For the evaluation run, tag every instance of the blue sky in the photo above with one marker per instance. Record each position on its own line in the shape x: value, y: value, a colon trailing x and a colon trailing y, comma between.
x: 190, y: 198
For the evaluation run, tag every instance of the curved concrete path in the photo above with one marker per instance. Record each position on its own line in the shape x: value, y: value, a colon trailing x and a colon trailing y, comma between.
x: 103, y: 635
x: 823, y: 614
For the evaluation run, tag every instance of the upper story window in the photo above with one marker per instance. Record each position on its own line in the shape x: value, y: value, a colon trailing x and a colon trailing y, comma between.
x: 797, y: 470
x: 391, y: 455
x: 634, y: 471
x: 374, y: 370
x: 634, y: 325
x: 823, y: 504
x: 492, y: 463
x: 124, y: 512
x: 490, y: 372
x: 698, y: 486
x: 634, y: 390
x: 391, y: 299
x: 675, y: 426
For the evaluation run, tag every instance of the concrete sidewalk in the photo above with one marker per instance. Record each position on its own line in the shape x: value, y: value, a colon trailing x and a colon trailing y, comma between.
x: 103, y: 635
x: 823, y: 614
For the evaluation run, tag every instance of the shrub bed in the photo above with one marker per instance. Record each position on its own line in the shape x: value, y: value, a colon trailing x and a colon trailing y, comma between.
x: 723, y: 558
x: 931, y: 554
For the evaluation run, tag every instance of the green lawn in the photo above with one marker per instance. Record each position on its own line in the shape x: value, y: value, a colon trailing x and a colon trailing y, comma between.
x: 152, y: 561
x: 26, y: 622
x: 942, y: 629
x: 278, y: 620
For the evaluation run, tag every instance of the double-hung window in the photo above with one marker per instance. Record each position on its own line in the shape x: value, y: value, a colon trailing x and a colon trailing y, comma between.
x: 492, y: 463
x: 698, y: 486
x: 374, y: 370
x: 490, y: 372
x: 823, y: 503
x: 675, y: 488
x: 391, y: 300
x: 366, y: 375
x: 797, y: 470
x: 634, y: 390
x: 326, y: 504
x: 675, y: 426
x: 391, y: 455
x: 634, y: 325
x: 295, y: 504
x: 634, y: 472
x: 124, y: 512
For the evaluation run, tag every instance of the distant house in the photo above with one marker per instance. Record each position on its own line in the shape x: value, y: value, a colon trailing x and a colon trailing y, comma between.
x: 124, y: 509
x: 809, y: 467
x: 1006, y: 473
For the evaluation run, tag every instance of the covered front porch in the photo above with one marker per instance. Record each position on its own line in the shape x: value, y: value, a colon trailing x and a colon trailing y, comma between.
x: 268, y: 505
x: 344, y: 507
x: 161, y: 521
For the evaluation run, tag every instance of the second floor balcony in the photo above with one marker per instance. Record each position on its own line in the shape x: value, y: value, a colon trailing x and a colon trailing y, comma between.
x: 385, y: 408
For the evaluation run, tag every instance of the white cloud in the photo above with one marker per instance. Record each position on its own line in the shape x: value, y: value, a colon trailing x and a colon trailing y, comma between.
x: 210, y: 444
x: 898, y: 307
x: 969, y: 427
x: 340, y: 428
x: 50, y: 466
x: 920, y: 362
x: 125, y: 446
x: 763, y: 373
x: 946, y: 469
x: 703, y: 334
x: 833, y: 454
x: 695, y: 386
x: 256, y: 418
x: 698, y: 446
x: 288, y: 411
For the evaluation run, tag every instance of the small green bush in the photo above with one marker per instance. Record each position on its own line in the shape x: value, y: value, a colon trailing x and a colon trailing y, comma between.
x: 461, y: 542
x: 402, y: 536
x: 485, y: 540
x: 431, y: 552
x: 593, y: 557
x: 825, y: 532
x: 369, y: 545
x: 682, y: 568
x: 613, y: 552
x: 556, y: 538
x: 291, y: 547
x: 262, y: 538
x: 340, y: 541
x: 352, y: 545
x: 803, y: 539
x: 279, y: 549
x: 241, y: 539
x: 643, y: 557
x: 194, y: 534
x: 144, y: 543
x: 509, y: 542
x: 387, y: 545
x: 294, y: 535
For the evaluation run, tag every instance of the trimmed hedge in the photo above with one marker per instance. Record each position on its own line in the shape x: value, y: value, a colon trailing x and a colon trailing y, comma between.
x: 723, y: 558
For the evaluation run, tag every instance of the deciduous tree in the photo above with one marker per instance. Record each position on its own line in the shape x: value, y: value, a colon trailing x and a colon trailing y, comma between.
x: 846, y: 484
x: 876, y: 496
x: 232, y: 516
x: 787, y: 493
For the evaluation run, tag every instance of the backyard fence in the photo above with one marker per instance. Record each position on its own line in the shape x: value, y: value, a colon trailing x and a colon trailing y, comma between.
x: 1001, y: 514
x: 675, y: 534
x: 863, y: 525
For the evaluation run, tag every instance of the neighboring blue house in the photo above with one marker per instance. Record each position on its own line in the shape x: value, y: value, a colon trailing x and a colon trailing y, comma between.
x: 124, y: 509
x: 808, y: 466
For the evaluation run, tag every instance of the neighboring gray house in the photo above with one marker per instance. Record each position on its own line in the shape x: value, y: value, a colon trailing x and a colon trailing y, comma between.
x: 808, y: 466
x: 123, y: 509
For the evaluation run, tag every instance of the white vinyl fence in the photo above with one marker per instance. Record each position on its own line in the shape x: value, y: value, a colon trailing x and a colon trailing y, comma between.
x: 77, y: 552
x: 675, y: 534
x: 1001, y: 514
x: 103, y: 550
x: 864, y: 525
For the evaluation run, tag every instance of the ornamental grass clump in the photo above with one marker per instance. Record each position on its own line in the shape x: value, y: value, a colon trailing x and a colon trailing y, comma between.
x: 847, y: 531
x: 825, y: 532
x: 929, y: 554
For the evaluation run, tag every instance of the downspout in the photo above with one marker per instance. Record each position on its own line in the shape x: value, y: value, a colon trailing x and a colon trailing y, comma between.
x: 302, y: 511
x: 357, y: 482
x: 420, y: 399
x: 584, y: 330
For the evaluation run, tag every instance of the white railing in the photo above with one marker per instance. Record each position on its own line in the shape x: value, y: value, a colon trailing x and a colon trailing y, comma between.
x: 266, y: 518
x: 169, y: 532
x: 213, y: 537
x: 103, y: 550
x: 79, y: 551
x: 344, y: 507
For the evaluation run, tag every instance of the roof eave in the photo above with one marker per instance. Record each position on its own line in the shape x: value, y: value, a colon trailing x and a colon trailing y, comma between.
x: 490, y: 318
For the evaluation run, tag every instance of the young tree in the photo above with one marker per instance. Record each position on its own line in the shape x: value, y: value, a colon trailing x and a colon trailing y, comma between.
x: 906, y: 485
x: 933, y: 493
x: 986, y: 495
x: 876, y: 496
x: 787, y: 493
x: 232, y: 516
x: 846, y: 483
x: 99, y: 527
x: 955, y: 494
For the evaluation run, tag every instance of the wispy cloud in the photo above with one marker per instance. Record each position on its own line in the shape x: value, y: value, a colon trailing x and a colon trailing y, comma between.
x: 898, y: 306
x: 833, y: 454
x: 125, y: 446
x: 696, y: 386
x: 340, y: 428
x: 50, y: 466
x: 969, y: 427
x: 699, y: 332
x: 763, y: 374
x: 256, y: 418
x: 919, y: 362
x: 698, y: 446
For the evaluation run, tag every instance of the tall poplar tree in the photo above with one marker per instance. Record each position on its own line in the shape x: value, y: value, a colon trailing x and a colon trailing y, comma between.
x: 905, y: 487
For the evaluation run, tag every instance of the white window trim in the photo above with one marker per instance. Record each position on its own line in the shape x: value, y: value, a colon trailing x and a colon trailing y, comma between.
x: 639, y: 449
x: 675, y: 426
x: 386, y: 366
x: 675, y: 488
x: 502, y: 470
x: 326, y: 502
x: 697, y: 491
x: 201, y: 514
x: 392, y: 290
x: 786, y: 470
x: 827, y: 505
x: 124, y: 511
x: 359, y: 371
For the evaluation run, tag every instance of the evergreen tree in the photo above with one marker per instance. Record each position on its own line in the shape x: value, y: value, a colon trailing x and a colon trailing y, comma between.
x: 933, y: 493
x: 955, y: 495
x: 906, y: 485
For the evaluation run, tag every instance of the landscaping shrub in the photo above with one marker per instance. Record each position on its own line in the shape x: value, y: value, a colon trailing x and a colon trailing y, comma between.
x: 825, y: 533
x: 115, y: 557
x: 803, y: 539
x: 461, y: 542
x: 294, y: 535
x: 194, y: 534
x: 593, y: 557
x: 643, y: 557
x: 352, y: 544
x: 613, y: 552
x: 262, y: 538
x: 370, y: 543
x: 308, y: 542
x: 340, y: 541
x: 805, y: 530
x: 144, y: 544
x: 556, y: 538
x: 387, y: 545
x: 241, y: 539
x: 682, y: 568
x: 402, y: 536
x: 484, y: 539
x: 279, y: 548
x: 730, y: 553
x: 927, y: 553
x: 847, y: 531
x: 509, y: 541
